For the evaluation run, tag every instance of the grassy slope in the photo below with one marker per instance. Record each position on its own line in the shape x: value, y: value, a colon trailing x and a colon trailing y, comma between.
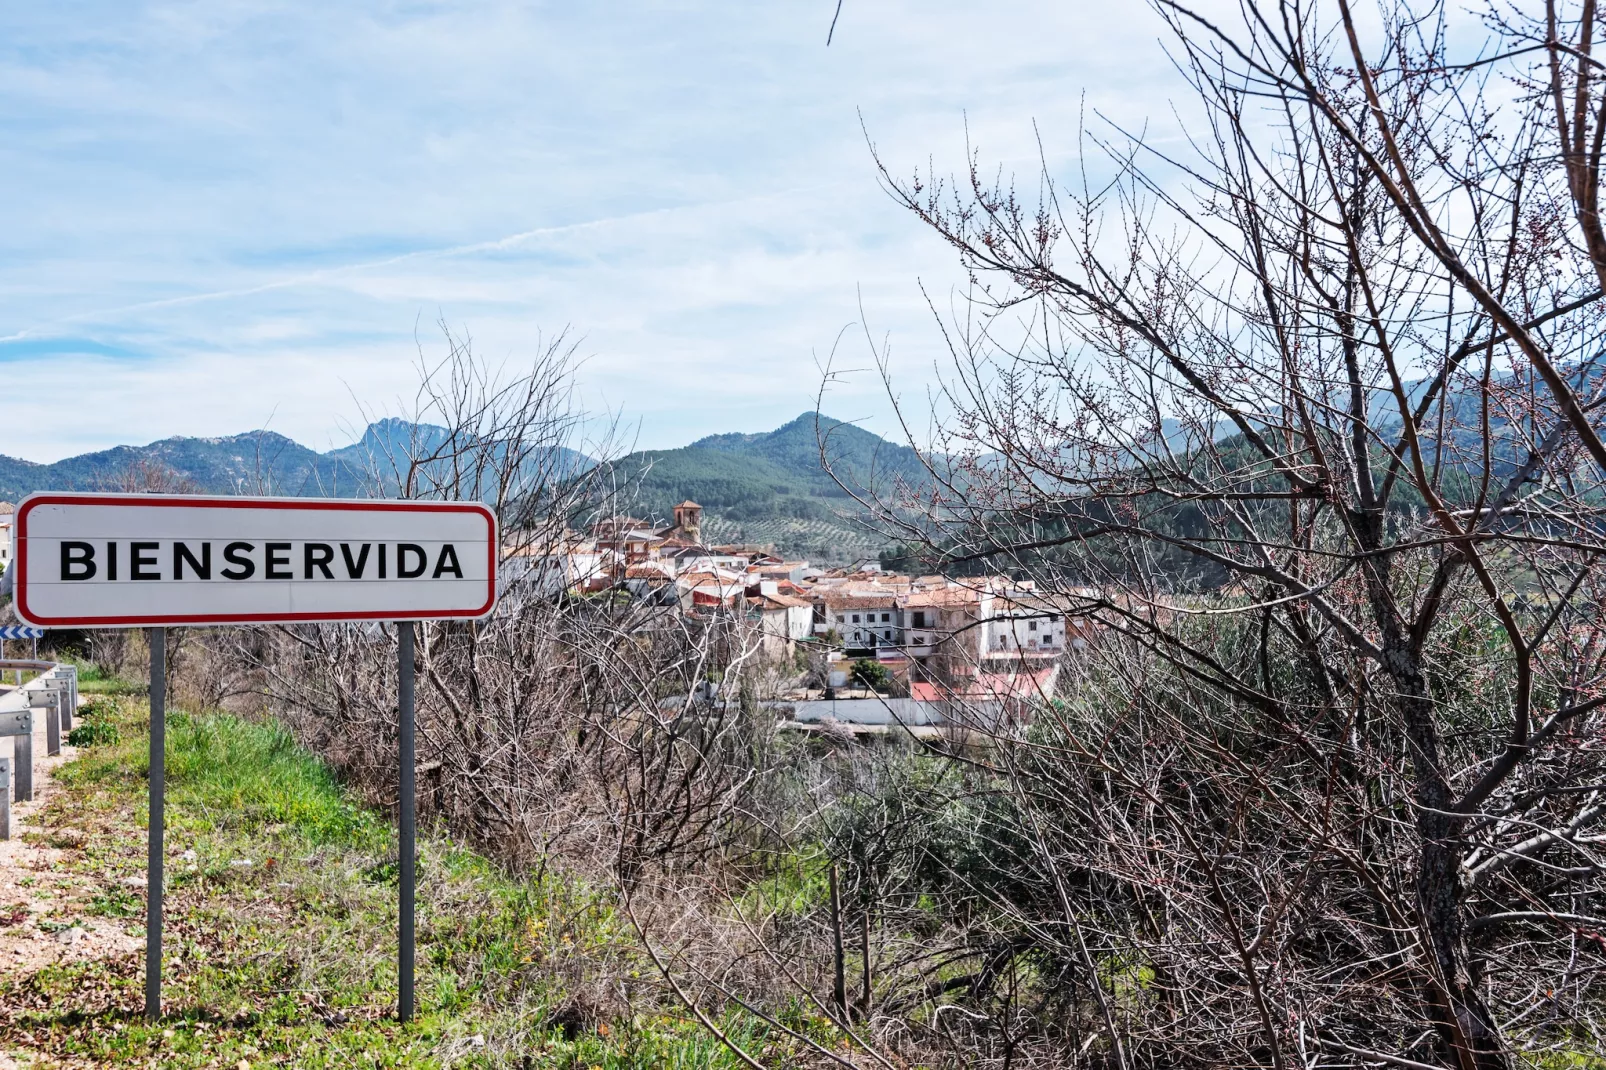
x: 281, y: 931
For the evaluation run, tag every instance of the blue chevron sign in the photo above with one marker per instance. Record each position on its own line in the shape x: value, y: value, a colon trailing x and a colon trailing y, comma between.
x: 22, y: 631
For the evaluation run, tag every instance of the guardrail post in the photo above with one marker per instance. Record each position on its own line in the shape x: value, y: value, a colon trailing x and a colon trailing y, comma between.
x: 59, y: 684
x: 52, y: 721
x: 22, y: 767
x: 5, y: 798
x: 69, y: 705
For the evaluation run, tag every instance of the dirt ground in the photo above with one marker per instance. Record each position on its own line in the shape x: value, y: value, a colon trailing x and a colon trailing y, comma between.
x: 42, y: 915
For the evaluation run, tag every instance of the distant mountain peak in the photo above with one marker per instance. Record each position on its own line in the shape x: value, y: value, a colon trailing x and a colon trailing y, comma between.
x: 769, y: 486
x: 805, y: 423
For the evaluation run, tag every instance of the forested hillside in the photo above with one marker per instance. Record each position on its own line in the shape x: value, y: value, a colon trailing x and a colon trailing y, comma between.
x: 771, y: 487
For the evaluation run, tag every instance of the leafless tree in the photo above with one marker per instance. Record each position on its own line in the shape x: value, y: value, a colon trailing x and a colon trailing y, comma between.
x: 544, y: 733
x: 1303, y: 416
x: 145, y: 475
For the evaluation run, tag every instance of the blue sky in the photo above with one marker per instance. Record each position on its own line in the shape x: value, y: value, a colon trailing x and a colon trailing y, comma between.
x: 217, y: 216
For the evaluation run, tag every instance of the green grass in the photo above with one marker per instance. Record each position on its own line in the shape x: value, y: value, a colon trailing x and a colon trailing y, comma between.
x: 91, y: 681
x: 280, y: 932
x: 795, y: 886
x: 1564, y: 1060
x: 96, y: 723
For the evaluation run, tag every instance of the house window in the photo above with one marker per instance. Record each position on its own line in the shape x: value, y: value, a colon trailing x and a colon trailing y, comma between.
x: 1032, y: 626
x: 887, y: 635
x: 920, y: 640
x: 855, y: 618
x: 885, y: 617
x: 856, y: 637
x: 920, y: 618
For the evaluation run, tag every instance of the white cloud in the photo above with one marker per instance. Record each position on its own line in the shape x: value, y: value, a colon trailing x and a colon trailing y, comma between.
x: 237, y: 211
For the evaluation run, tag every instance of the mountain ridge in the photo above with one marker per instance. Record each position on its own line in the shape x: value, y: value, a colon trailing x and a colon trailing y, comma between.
x: 765, y: 487
x: 770, y: 487
x: 253, y: 461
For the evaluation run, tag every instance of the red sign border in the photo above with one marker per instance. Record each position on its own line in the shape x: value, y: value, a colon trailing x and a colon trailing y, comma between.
x: 381, y: 505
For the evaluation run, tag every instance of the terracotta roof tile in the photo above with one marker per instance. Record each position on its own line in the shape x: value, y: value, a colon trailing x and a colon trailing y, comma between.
x: 781, y: 601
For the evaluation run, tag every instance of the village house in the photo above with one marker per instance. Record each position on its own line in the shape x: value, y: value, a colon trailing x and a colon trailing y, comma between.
x: 780, y: 570
x: 863, y: 615
x: 783, y: 620
x: 545, y: 566
x: 712, y: 588
x: 7, y: 516
x: 1022, y: 624
x: 628, y: 540
x: 998, y: 638
x: 698, y: 558
x: 650, y: 581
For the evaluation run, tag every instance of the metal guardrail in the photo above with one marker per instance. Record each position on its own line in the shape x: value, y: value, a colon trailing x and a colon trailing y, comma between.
x: 54, y: 692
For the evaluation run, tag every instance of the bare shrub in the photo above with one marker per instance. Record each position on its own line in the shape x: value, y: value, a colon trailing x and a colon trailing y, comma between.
x: 145, y: 475
x: 108, y: 650
x: 556, y: 735
x: 1301, y: 421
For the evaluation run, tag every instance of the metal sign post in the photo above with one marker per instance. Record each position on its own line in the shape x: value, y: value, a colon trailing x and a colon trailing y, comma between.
x: 154, y: 857
x: 406, y: 865
x: 154, y: 560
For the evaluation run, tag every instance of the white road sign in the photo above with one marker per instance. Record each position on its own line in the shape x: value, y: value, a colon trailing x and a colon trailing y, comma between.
x: 132, y: 560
